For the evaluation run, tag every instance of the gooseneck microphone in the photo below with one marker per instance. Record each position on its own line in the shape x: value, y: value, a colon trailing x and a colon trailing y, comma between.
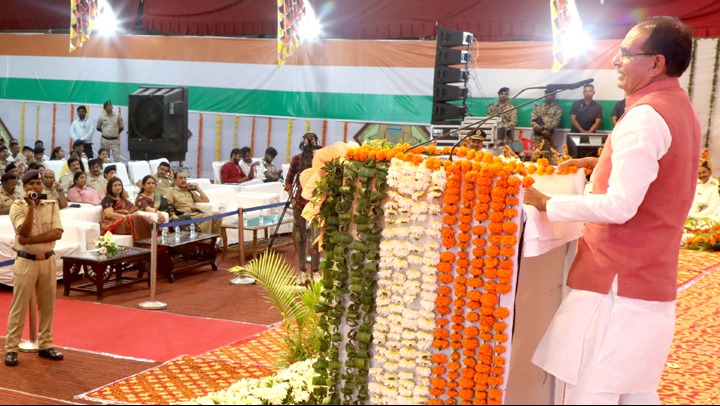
x: 568, y: 86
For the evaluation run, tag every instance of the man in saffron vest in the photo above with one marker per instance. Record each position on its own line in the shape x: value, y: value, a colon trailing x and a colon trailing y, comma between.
x: 611, y: 336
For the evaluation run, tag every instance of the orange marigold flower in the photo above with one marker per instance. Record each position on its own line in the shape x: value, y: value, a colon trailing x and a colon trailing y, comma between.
x: 498, y: 361
x: 458, y: 303
x: 490, y: 272
x: 487, y: 320
x: 450, y: 209
x: 437, y: 392
x: 500, y: 337
x: 528, y: 181
x: 507, y: 252
x: 501, y: 312
x: 444, y: 290
x: 464, y: 227
x: 474, y: 282
x: 492, y: 251
x: 444, y: 267
x: 472, y: 317
x: 438, y: 382
x: 447, y: 256
x: 440, y: 344
x: 457, y: 328
x: 439, y: 358
x: 503, y: 289
x: 474, y: 295
x: 504, y: 273
x: 512, y: 201
x: 441, y: 321
x: 500, y: 349
x: 466, y: 394
x: 486, y: 336
x: 442, y: 300
x: 451, y: 392
x: 448, y: 242
x: 457, y: 320
x: 443, y: 310
x: 449, y: 220
x: 510, y: 227
x: 495, y: 228
x: 497, y: 370
x: 454, y: 366
x: 500, y: 326
x: 438, y: 370
x: 463, y: 237
x: 441, y: 333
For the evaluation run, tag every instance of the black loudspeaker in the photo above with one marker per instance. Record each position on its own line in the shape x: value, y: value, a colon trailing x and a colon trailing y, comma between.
x: 158, y: 123
x: 450, y: 90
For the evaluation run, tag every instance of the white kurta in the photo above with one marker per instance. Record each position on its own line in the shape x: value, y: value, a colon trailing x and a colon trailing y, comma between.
x: 612, y: 343
x: 707, y: 200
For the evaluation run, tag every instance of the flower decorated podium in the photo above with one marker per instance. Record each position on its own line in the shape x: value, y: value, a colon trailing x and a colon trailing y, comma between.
x: 420, y: 278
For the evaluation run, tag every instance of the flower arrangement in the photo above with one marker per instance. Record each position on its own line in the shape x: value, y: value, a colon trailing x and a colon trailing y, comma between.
x: 106, y: 245
x: 290, y: 386
x: 702, y: 234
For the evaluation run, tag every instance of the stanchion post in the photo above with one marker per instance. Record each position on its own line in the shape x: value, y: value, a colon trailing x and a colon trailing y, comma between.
x: 241, y: 241
x: 31, y: 345
x: 152, y: 304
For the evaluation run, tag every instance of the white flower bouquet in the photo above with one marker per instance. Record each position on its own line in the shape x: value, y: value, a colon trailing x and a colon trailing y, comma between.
x: 106, y: 245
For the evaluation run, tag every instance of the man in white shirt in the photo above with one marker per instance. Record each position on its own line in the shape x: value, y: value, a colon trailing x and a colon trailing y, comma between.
x: 253, y: 169
x: 611, y: 336
x: 82, y: 130
x: 707, y: 199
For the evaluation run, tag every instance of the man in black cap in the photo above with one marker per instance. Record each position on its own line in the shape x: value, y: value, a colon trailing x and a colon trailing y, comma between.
x: 40, y: 143
x: 37, y: 226
x: 79, y: 150
x: 505, y: 110
x: 38, y: 155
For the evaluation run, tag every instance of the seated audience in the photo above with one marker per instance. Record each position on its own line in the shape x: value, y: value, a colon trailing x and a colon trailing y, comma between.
x: 41, y: 144
x: 104, y: 156
x: 58, y: 154
x: 68, y: 179
x: 39, y: 155
x: 706, y: 202
x: 120, y: 216
x: 19, y: 191
x: 4, y: 154
x: 183, y: 197
x: 53, y: 189
x: 79, y: 151
x: 271, y: 173
x: 81, y: 192
x: 252, y: 168
x: 163, y: 179
x: 96, y: 179
x: 231, y: 172
x: 7, y: 197
x: 150, y: 200
x: 109, y: 173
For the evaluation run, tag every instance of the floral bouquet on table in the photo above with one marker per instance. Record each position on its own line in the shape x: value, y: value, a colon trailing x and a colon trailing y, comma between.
x: 106, y: 245
x: 701, y: 234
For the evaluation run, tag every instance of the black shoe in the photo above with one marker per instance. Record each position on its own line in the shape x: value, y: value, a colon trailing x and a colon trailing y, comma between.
x: 11, y: 359
x: 49, y: 353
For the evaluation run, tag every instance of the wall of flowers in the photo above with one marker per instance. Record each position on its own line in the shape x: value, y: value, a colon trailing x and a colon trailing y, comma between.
x: 419, y: 273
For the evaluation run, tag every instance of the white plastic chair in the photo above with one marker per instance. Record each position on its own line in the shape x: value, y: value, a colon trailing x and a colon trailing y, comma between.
x: 216, y: 165
x: 154, y: 163
x: 121, y: 173
x: 56, y: 166
x: 138, y: 170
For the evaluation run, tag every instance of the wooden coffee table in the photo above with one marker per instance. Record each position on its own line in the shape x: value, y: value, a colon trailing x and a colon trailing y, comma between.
x: 183, y: 254
x: 105, y: 272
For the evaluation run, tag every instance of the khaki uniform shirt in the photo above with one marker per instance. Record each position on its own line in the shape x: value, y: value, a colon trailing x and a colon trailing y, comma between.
x: 110, y: 124
x: 67, y: 181
x: 163, y: 185
x: 47, y: 217
x: 509, y: 118
x: 183, y: 200
x: 19, y: 190
x: 99, y: 183
x: 6, y: 200
x: 51, y: 193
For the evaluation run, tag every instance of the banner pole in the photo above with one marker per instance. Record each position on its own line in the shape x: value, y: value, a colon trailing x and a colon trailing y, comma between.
x: 152, y: 304
x: 238, y: 280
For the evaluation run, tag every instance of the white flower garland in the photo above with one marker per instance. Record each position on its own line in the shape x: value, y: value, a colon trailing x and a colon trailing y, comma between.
x: 407, y: 285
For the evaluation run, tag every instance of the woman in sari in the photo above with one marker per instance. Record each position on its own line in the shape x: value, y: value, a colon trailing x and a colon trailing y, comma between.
x: 81, y: 193
x: 120, y: 215
x: 152, y: 201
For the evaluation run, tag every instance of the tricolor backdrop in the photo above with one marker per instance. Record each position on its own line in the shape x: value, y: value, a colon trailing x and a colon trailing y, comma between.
x: 336, y: 81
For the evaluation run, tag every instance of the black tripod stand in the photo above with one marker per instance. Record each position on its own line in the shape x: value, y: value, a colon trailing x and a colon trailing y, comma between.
x: 305, y: 162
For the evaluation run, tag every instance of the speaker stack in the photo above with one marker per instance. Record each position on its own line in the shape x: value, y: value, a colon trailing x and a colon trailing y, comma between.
x: 158, y: 123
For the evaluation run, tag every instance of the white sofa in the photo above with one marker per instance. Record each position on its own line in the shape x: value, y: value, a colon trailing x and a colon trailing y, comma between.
x: 72, y: 242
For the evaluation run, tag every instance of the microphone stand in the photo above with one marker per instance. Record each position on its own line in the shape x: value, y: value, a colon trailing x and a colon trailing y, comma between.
x: 479, y: 124
x: 308, y: 150
x: 476, y: 126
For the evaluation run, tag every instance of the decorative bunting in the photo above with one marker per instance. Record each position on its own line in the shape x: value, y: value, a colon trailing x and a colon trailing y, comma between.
x: 37, y: 122
x: 307, y: 126
x: 566, y: 28
x: 22, y: 124
x: 218, y: 132
x: 82, y: 20
x: 324, y: 133
x: 235, y: 132
x: 52, y: 140
x: 200, y: 134
x: 291, y: 14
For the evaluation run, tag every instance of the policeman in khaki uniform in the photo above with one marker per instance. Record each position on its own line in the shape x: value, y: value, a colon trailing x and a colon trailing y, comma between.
x: 37, y: 225
x: 183, y: 198
x: 9, y: 183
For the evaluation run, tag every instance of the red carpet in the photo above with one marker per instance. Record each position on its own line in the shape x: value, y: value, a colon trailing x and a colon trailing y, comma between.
x: 136, y: 333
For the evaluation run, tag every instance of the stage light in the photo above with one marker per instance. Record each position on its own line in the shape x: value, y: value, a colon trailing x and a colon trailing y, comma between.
x: 106, y: 22
x: 310, y: 28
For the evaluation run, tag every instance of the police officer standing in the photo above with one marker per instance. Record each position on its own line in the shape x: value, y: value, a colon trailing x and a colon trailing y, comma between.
x: 37, y: 226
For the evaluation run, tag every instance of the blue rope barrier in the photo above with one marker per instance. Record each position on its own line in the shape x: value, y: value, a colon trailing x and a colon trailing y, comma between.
x: 8, y: 262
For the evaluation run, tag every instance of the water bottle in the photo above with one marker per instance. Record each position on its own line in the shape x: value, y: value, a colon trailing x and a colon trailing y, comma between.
x: 164, y: 234
x: 275, y: 215
x: 177, y: 233
x: 193, y: 233
x: 260, y: 219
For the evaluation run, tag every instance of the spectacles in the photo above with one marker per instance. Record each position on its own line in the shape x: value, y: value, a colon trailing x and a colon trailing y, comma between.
x: 622, y: 54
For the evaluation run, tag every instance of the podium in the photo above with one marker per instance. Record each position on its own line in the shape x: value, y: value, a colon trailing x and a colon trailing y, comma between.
x: 581, y: 145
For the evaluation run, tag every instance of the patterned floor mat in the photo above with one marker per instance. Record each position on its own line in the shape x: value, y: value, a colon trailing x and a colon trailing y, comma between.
x: 695, y: 264
x: 189, y: 377
x: 690, y: 375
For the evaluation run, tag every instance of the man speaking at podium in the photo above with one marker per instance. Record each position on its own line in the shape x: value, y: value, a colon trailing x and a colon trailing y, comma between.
x: 611, y: 336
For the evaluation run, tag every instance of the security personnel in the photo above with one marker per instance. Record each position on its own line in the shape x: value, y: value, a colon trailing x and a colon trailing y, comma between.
x: 184, y: 195
x: 37, y: 227
x: 9, y: 183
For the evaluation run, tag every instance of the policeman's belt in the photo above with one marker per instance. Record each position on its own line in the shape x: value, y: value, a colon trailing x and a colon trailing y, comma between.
x: 35, y: 257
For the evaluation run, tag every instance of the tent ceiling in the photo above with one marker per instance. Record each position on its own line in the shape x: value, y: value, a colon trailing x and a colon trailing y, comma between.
x: 506, y: 20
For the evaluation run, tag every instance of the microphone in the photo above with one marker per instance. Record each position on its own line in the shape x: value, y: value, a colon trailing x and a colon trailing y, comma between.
x: 568, y: 86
